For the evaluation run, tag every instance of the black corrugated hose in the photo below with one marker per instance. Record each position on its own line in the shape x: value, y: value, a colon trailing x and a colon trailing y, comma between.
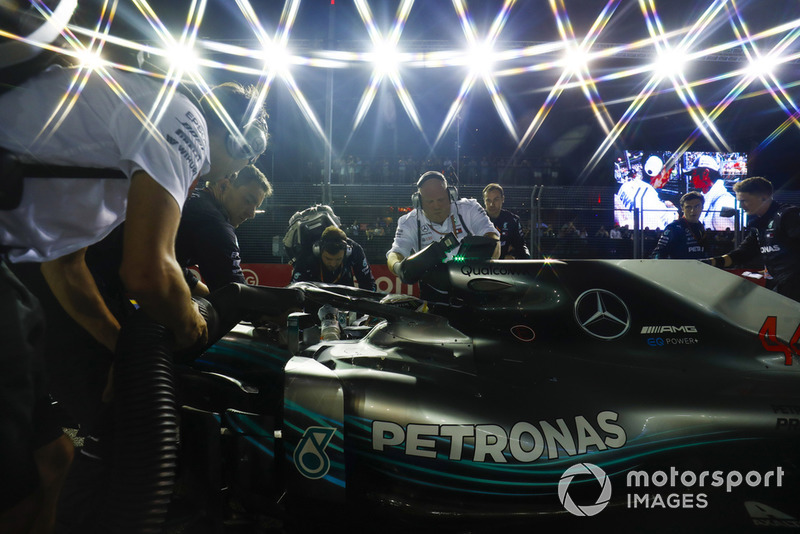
x: 146, y: 430
x: 146, y: 417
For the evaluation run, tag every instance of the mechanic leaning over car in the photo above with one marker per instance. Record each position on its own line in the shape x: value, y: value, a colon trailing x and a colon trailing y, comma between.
x: 774, y: 234
x: 207, y: 232
x: 437, y: 214
x: 334, y: 259
x: 685, y: 238
x: 512, y: 240
x: 161, y: 156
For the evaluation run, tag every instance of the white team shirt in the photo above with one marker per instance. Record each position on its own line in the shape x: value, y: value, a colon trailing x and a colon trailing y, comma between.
x: 718, y: 197
x: 105, y: 130
x: 472, y: 213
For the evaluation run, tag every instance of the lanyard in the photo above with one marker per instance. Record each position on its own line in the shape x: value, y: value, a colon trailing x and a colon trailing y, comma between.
x: 452, y: 227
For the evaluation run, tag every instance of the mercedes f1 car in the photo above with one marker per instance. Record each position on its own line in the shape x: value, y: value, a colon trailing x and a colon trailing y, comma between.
x: 536, y: 390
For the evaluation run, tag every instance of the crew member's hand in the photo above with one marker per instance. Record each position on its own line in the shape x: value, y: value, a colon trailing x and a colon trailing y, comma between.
x: 509, y: 257
x: 398, y: 269
x: 195, y: 331
x: 716, y: 261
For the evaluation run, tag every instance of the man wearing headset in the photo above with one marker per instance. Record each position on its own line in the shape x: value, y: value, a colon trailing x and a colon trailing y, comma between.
x: 335, y: 259
x: 436, y: 214
x: 153, y: 145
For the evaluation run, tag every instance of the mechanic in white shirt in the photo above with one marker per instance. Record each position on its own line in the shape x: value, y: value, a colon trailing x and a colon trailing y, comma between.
x: 160, y: 144
x: 436, y: 214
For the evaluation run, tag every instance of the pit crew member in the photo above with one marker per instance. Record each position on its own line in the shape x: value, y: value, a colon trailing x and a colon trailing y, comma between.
x: 159, y: 147
x: 512, y: 240
x: 774, y: 234
x: 207, y: 232
x: 437, y: 214
x: 335, y: 259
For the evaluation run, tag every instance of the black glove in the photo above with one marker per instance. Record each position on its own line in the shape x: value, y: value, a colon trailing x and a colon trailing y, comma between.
x: 413, y: 268
x: 716, y: 261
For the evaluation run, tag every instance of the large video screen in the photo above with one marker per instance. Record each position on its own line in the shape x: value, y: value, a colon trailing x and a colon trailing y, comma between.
x: 654, y: 182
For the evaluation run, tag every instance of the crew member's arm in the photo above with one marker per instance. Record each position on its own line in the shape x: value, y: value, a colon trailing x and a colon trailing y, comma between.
x: 517, y: 249
x: 480, y: 224
x: 149, y: 269
x: 405, y: 242
x: 361, y: 268
x: 196, y: 286
x: 393, y: 261
x: 302, y: 270
x: 210, y: 243
x: 662, y: 250
x: 746, y: 250
x: 73, y: 285
x: 493, y: 235
x: 790, y: 223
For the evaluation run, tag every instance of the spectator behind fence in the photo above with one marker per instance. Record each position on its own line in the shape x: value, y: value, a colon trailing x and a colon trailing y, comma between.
x: 774, y: 234
x: 512, y: 240
x: 685, y: 238
x: 334, y: 259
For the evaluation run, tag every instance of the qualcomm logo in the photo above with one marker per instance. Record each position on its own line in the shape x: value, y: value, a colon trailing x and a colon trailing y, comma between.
x: 602, y: 314
x: 584, y: 469
x: 310, y: 457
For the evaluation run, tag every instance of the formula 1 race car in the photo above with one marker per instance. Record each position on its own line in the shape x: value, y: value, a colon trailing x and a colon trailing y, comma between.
x: 553, y: 393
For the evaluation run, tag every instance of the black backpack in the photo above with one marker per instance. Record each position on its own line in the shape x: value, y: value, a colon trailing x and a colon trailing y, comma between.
x: 306, y: 227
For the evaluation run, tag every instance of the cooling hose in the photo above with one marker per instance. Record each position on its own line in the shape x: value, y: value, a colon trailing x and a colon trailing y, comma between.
x: 146, y: 427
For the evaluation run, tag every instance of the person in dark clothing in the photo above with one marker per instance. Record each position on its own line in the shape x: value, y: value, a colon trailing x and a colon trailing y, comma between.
x: 207, y: 237
x: 335, y: 259
x: 774, y: 234
x: 685, y: 238
x: 512, y: 240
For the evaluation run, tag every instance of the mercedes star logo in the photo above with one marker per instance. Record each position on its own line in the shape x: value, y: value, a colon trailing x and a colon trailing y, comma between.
x: 602, y: 314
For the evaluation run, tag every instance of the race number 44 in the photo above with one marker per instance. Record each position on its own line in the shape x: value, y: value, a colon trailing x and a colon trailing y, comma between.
x: 769, y: 340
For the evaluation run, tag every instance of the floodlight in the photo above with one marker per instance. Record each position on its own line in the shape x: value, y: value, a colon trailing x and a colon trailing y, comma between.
x: 762, y: 66
x: 480, y: 59
x: 182, y: 57
x: 88, y: 59
x: 670, y: 63
x: 575, y: 60
x: 385, y: 57
x: 277, y: 57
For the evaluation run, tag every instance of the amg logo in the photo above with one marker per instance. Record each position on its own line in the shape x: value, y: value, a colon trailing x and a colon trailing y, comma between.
x: 770, y: 248
x: 669, y: 329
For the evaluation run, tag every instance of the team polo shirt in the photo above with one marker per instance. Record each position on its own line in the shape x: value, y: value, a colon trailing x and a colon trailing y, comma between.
x: 410, y: 238
x: 126, y: 125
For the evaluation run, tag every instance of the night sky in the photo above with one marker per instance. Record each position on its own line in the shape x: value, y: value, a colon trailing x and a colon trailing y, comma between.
x: 569, y: 128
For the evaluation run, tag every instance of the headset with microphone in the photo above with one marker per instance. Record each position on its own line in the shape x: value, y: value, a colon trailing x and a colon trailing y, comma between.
x: 452, y: 193
x: 243, y: 141
x: 248, y: 142
x: 327, y: 244
x: 416, y: 199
